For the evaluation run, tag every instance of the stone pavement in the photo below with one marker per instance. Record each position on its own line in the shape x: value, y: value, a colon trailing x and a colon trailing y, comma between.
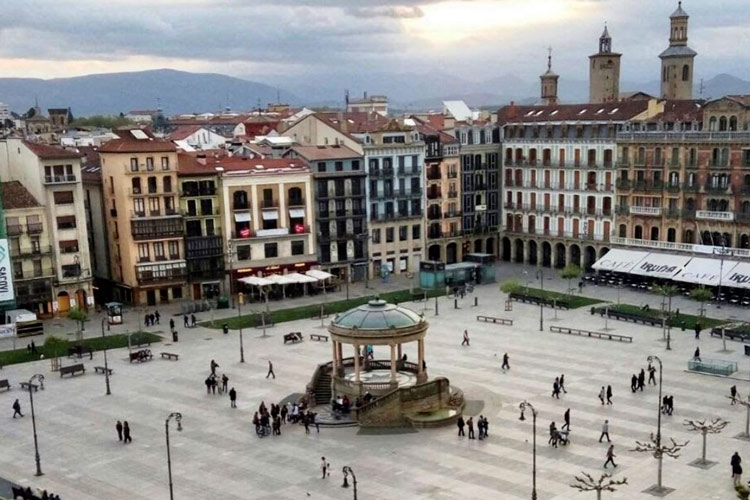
x: 218, y: 455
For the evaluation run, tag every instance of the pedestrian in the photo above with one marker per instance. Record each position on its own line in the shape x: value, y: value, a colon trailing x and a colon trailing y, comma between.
x: 562, y: 383
x: 214, y: 366
x: 651, y: 374
x: 566, y: 418
x: 208, y: 384
x: 284, y: 411
x: 506, y: 364
x: 171, y: 324
x: 697, y: 330
x: 233, y: 397
x: 670, y: 404
x: 486, y: 427
x: 118, y: 426
x: 192, y: 320
x: 185, y: 320
x: 324, y: 467
x: 126, y: 432
x: 602, y: 394
x: 306, y: 423
x: 33, y: 348
x: 552, y: 435
x: 556, y: 388
x: 736, y: 469
x: 641, y: 379
x: 634, y: 383
x: 315, y: 421
x: 214, y: 383
x: 17, y: 409
x: 460, y: 424
x: 733, y: 392
x: 470, y: 426
x: 665, y: 404
x: 157, y: 316
x: 145, y: 320
x: 605, y: 431
x: 697, y: 354
x: 276, y: 426
x: 466, y: 338
x: 224, y: 382
x: 610, y: 456
x: 270, y: 370
x: 609, y: 394
x: 580, y: 287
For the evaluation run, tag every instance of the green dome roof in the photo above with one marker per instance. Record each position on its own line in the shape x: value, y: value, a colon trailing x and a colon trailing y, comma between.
x: 377, y: 315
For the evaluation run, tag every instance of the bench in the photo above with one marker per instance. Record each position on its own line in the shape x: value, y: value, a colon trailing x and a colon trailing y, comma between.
x: 526, y: 299
x: 713, y: 366
x: 101, y: 369
x: 736, y: 336
x: 293, y: 337
x: 169, y: 355
x: 141, y: 356
x: 4, y: 384
x: 28, y: 386
x: 627, y: 317
x: 72, y: 369
x: 491, y: 319
x: 79, y: 351
x: 318, y: 338
x: 587, y: 333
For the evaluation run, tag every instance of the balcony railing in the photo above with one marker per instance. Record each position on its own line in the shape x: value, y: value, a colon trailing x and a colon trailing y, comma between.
x: 433, y: 194
x: 717, y: 189
x: 452, y: 174
x: 452, y: 194
x: 25, y: 252
x: 14, y: 229
x: 269, y: 203
x: 433, y: 175
x: 434, y: 215
x: 650, y: 211
x: 153, y: 275
x: 451, y: 215
x: 711, y: 215
x: 59, y: 179
x: 645, y: 185
x: 296, y: 202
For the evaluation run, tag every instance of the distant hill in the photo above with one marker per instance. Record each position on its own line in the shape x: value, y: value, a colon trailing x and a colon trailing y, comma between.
x: 110, y: 93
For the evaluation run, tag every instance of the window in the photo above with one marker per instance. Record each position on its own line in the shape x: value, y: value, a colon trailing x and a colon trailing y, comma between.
x: 403, y: 231
x: 63, y: 197
x: 339, y: 166
x: 134, y: 164
x: 176, y: 292
x: 168, y: 205
x: 135, y: 183
x: 143, y: 255
x: 68, y: 246
x: 355, y: 164
x: 164, y: 163
x: 66, y: 222
x: 376, y: 235
x: 321, y: 166
x: 389, y: 235
x: 151, y: 181
x: 271, y: 250
x: 174, y: 250
x: 150, y: 163
x: 167, y: 184
x: 243, y: 252
x: 153, y: 206
x: 685, y: 73
x: 416, y: 231
x: 159, y: 250
x: 298, y: 247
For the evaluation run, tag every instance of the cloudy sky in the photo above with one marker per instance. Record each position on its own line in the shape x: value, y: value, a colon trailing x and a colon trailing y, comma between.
x: 278, y: 40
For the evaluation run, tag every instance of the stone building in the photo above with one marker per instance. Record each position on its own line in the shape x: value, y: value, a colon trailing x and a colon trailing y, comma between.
x: 604, y: 72
x: 678, y: 59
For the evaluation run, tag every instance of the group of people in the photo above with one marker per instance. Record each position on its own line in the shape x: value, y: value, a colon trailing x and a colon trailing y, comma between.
x: 263, y: 418
x: 123, y: 432
x: 606, y: 395
x: 638, y: 382
x: 191, y: 324
x: 482, y: 426
x: 667, y: 405
x: 558, y: 385
x: 559, y: 435
x: 152, y: 319
x: 27, y: 493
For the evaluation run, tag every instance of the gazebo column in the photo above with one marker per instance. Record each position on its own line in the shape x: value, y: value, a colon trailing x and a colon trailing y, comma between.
x: 400, y: 355
x: 393, y: 363
x: 335, y: 355
x: 420, y: 356
x: 356, y: 363
x: 340, y: 353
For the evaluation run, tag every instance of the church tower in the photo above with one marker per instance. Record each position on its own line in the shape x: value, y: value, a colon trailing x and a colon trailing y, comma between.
x: 549, y: 83
x: 678, y: 59
x: 604, y: 72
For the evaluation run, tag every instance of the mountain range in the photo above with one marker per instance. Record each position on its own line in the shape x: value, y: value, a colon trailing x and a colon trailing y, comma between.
x: 184, y: 92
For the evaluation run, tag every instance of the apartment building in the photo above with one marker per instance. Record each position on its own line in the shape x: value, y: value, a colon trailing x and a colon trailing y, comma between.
x: 340, y: 209
x: 394, y: 155
x: 146, y: 229
x: 559, y: 180
x: 200, y: 206
x: 268, y: 212
x: 52, y: 176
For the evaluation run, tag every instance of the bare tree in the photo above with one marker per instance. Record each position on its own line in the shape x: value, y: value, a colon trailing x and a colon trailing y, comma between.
x: 715, y: 426
x: 658, y: 449
x: 604, y: 483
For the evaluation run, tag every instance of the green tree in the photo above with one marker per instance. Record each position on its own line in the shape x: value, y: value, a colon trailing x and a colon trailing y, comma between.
x: 55, y: 345
x: 701, y: 295
x: 510, y: 287
x: 79, y: 316
x: 667, y: 291
x: 571, y: 272
x: 103, y: 121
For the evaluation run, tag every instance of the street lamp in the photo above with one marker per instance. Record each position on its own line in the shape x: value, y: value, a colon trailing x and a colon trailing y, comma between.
x: 106, y: 365
x: 40, y: 378
x: 524, y: 404
x: 722, y: 252
x: 349, y: 472
x: 540, y: 276
x: 651, y: 359
x: 178, y: 418
x: 239, y: 308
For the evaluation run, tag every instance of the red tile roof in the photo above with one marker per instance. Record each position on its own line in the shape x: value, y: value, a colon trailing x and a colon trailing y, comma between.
x: 128, y: 143
x: 354, y: 122
x: 682, y: 110
x: 183, y: 132
x: 316, y: 153
x: 206, y: 164
x: 425, y: 128
x: 15, y: 195
x: 611, y: 111
x: 48, y: 152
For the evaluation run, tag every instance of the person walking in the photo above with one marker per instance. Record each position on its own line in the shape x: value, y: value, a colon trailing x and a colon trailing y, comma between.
x: 736, y: 469
x: 486, y: 427
x: 157, y: 316
x: 270, y: 370
x: 171, y: 325
x: 126, y: 432
x: 470, y: 426
x: 185, y: 321
x: 610, y: 456
x: 480, y: 426
x: 214, y: 383
x: 562, y: 383
x: 566, y: 419
x: 466, y: 338
x: 605, y: 431
x: 17, y: 409
x: 651, y: 374
x: 460, y: 424
x: 670, y: 404
x: 324, y: 467
x: 556, y: 388
x: 552, y: 434
x: 306, y: 422
x: 506, y: 364
x: 214, y: 366
x: 224, y: 382
x: 602, y: 394
x: 641, y: 379
x: 609, y: 394
x: 733, y: 392
x: 634, y: 383
x: 697, y: 354
x: 233, y: 397
x: 697, y: 330
x: 118, y: 426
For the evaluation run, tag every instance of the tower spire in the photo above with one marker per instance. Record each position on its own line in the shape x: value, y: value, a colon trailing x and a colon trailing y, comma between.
x: 549, y: 58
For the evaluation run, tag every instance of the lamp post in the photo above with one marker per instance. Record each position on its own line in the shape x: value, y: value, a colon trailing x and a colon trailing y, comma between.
x: 524, y: 404
x: 239, y: 305
x: 658, y: 452
x: 39, y: 377
x: 349, y: 472
x: 540, y: 276
x: 722, y: 251
x: 178, y: 418
x: 106, y: 365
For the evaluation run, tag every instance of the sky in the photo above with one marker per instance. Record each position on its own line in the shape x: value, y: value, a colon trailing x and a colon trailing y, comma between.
x: 275, y: 41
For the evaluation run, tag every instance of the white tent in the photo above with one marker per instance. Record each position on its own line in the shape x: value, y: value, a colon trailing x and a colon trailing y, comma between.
x: 319, y: 275
x: 301, y: 278
x: 256, y: 281
x: 704, y: 271
x: 661, y: 265
x: 280, y: 279
x: 738, y: 276
x: 619, y: 260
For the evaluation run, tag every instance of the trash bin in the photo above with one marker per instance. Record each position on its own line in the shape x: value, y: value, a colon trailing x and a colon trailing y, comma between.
x: 225, y: 327
x: 174, y: 336
x: 222, y: 302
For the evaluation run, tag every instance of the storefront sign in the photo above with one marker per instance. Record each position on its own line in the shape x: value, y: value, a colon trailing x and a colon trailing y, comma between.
x: 6, y: 281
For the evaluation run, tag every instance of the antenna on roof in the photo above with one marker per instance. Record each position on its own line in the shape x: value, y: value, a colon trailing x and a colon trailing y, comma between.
x: 700, y: 89
x: 278, y: 96
x: 258, y: 105
x: 346, y: 97
x: 549, y: 58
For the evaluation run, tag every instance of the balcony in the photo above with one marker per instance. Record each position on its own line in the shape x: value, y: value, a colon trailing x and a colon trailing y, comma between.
x: 14, y: 229
x: 674, y: 165
x: 717, y: 189
x: 648, y: 211
x: 622, y: 209
x: 296, y: 202
x: 672, y: 187
x: 381, y: 172
x: 200, y: 247
x: 240, y: 206
x: 719, y: 164
x: 60, y: 179
x: 451, y: 215
x: 742, y: 216
x: 26, y: 252
x: 718, y: 216
x: 33, y: 294
x: 452, y: 174
x: 623, y: 184
x: 433, y: 175
x: 646, y: 185
x: 434, y: 194
x: 192, y: 193
x: 269, y: 204
x: 161, y: 273
x: 434, y: 234
x: 672, y: 213
x: 152, y: 229
x: 432, y: 215
x: 690, y: 188
x: 452, y: 194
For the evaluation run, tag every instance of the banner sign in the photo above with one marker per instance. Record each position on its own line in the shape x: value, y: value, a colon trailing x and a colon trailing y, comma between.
x: 6, y: 280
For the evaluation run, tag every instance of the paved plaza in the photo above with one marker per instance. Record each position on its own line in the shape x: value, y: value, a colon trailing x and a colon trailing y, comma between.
x: 219, y: 456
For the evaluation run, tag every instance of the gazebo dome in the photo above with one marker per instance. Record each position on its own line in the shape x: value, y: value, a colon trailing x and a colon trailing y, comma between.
x: 377, y: 314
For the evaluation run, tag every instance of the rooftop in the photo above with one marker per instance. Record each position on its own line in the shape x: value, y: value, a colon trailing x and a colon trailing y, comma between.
x: 606, y: 112
x: 377, y: 315
x: 315, y: 153
x: 15, y: 195
x: 137, y: 140
x: 207, y: 163
x: 47, y: 152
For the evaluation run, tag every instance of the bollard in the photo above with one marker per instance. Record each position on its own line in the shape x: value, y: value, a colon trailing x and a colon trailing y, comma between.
x: 174, y: 336
x: 455, y: 303
x: 476, y: 301
x: 225, y: 328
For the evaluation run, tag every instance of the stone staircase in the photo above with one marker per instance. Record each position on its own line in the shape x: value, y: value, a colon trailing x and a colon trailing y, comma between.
x: 323, y: 388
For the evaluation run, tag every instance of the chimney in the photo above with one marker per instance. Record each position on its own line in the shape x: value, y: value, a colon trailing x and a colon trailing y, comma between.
x: 365, y: 95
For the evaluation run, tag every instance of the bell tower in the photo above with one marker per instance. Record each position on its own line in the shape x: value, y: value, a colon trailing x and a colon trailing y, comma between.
x: 678, y: 59
x: 549, y: 82
x: 604, y: 71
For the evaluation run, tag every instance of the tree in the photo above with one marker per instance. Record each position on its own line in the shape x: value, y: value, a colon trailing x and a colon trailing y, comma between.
x: 701, y: 295
x: 571, y: 272
x: 667, y: 291
x: 588, y: 483
x: 510, y: 287
x: 55, y: 345
x: 658, y: 449
x: 79, y: 316
x: 713, y: 427
x: 102, y: 121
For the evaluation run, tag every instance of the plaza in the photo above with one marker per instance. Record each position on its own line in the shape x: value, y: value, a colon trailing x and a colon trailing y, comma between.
x: 218, y: 455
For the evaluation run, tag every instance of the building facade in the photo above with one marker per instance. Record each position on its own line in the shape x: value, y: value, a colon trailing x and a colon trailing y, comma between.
x: 146, y: 229
x: 604, y: 72
x: 677, y: 60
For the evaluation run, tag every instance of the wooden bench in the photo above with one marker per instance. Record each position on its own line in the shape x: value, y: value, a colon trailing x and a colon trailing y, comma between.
x: 79, y: 352
x: 4, y: 384
x: 169, y: 355
x: 318, y: 338
x: 72, y: 369
x: 27, y: 386
x: 535, y: 300
x: 101, y: 369
x: 491, y: 319
x: 141, y: 356
x: 736, y: 336
x: 627, y: 317
x: 293, y: 337
x: 587, y: 333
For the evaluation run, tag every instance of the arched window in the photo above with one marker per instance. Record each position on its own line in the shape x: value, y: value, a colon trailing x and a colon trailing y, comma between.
x: 508, y: 155
x: 136, y: 184
x: 638, y: 233
x: 723, y: 205
x: 685, y: 73
x: 654, y: 233
x: 744, y: 241
x: 671, y: 235
x: 733, y: 123
x: 623, y: 230
x: 712, y: 124
x: 151, y: 185
x: 723, y: 124
x: 747, y: 181
x: 688, y: 236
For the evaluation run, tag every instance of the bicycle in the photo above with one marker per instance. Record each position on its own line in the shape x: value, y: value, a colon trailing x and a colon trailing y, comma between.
x: 263, y: 431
